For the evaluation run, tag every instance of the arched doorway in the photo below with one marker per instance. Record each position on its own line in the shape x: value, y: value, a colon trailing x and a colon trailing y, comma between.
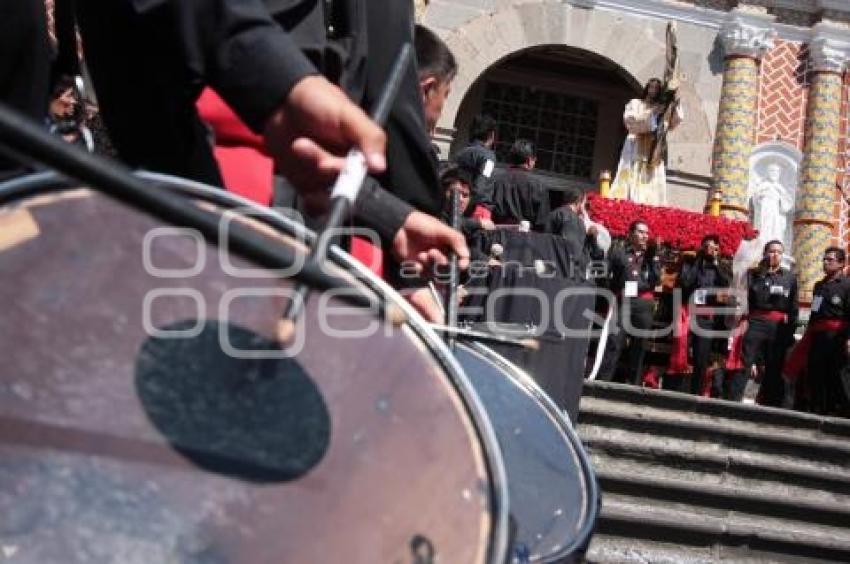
x: 568, y: 101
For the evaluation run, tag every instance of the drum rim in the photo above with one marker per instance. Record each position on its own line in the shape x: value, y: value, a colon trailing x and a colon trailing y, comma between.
x: 48, y: 181
x: 526, y: 382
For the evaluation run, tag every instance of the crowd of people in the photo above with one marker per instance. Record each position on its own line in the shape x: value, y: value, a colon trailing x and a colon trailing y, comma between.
x: 179, y: 84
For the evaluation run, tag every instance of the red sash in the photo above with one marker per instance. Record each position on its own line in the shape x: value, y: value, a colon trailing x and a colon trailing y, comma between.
x: 245, y: 167
x: 795, y: 365
x: 770, y: 315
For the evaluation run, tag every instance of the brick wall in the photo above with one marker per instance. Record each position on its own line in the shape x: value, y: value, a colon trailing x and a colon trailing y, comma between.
x: 783, y: 94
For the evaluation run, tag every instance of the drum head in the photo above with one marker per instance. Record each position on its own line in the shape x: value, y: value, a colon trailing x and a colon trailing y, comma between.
x: 149, y: 411
x: 552, y: 488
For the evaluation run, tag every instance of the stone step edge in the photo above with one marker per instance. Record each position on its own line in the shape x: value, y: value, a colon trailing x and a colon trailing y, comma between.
x: 698, y: 430
x: 789, y: 508
x: 716, y: 407
x: 726, y: 463
x: 699, y: 531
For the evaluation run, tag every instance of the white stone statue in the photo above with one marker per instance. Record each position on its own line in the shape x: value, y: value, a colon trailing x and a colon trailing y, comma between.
x: 772, y: 204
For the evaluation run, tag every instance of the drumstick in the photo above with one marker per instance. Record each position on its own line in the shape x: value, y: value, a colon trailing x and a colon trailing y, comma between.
x: 472, y: 335
x: 454, y: 275
x: 116, y: 181
x: 348, y: 184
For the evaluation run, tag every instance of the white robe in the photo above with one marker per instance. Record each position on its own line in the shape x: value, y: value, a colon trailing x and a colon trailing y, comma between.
x: 636, y: 179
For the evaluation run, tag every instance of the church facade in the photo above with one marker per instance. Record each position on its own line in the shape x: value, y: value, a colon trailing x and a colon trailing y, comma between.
x: 765, y: 94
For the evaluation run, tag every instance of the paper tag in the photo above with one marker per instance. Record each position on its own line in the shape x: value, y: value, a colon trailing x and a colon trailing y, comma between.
x: 351, y: 178
x: 631, y: 289
x: 777, y: 291
x: 816, y: 302
x: 488, y: 168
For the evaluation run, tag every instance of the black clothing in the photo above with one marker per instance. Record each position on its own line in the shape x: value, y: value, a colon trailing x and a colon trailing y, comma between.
x: 627, y: 265
x: 694, y: 278
x: 773, y: 291
x: 24, y: 65
x: 831, y: 299
x: 768, y: 340
x: 518, y: 196
x: 149, y: 60
x: 828, y: 356
x: 480, y: 162
x: 582, y: 247
x: 701, y: 274
x: 640, y: 313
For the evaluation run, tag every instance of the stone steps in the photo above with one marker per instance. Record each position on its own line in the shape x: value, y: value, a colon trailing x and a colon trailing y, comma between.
x: 687, y: 479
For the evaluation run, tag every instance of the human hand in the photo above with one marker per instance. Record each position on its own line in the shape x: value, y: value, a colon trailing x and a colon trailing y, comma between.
x: 310, y: 134
x: 592, y: 230
x: 426, y: 241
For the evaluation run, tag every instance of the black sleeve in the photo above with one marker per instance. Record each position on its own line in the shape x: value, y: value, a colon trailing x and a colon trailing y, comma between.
x: 793, y: 306
x: 380, y: 210
x: 543, y: 207
x: 248, y: 58
x: 149, y: 60
x: 555, y: 223
x: 616, y: 266
x: 411, y: 164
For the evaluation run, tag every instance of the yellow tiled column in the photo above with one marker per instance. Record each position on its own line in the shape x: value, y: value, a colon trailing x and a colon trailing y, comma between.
x: 745, y: 38
x: 813, y: 216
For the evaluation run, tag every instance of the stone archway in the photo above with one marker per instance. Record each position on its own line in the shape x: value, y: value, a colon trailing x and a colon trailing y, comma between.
x: 636, y: 44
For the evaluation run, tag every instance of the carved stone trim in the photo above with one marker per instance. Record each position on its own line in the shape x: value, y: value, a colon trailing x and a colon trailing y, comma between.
x: 828, y: 54
x: 747, y: 35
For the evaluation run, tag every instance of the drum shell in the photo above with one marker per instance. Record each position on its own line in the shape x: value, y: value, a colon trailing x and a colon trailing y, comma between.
x: 552, y: 486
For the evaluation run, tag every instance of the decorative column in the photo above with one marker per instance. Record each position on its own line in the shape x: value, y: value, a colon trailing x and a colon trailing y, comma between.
x: 813, y: 216
x: 745, y: 38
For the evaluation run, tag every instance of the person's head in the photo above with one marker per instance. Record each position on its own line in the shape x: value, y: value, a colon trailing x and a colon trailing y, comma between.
x: 833, y: 260
x: 573, y: 198
x: 456, y: 179
x: 773, y: 251
x: 483, y: 129
x: 436, y: 69
x: 639, y: 234
x: 522, y: 154
x: 710, y: 246
x: 774, y: 172
x: 652, y: 90
x: 63, y: 98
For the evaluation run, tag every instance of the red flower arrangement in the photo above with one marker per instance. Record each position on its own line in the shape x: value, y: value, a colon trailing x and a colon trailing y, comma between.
x: 680, y: 229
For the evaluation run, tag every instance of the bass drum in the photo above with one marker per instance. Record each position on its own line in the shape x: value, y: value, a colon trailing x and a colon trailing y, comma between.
x: 149, y: 411
x: 553, y: 490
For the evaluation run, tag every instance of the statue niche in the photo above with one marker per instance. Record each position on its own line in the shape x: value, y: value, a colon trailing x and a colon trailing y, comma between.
x: 772, y: 189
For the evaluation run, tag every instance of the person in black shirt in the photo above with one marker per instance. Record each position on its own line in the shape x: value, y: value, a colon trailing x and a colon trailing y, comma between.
x: 568, y: 221
x: 827, y: 332
x: 149, y: 60
x: 634, y: 272
x: 458, y: 180
x: 772, y: 316
x: 517, y: 194
x: 24, y: 66
x: 479, y: 160
x: 699, y: 281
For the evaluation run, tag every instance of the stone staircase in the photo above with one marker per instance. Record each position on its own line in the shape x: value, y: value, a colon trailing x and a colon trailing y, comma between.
x: 687, y: 479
